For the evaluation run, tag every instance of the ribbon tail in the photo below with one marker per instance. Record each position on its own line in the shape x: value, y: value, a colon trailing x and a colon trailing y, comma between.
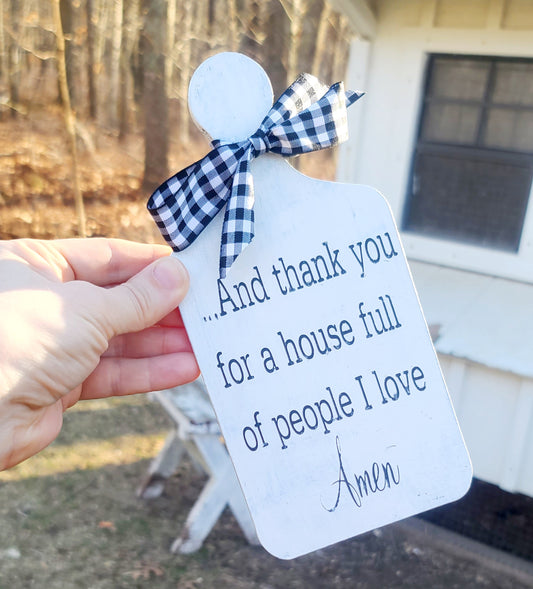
x: 352, y: 96
x: 238, y: 227
x: 323, y: 124
x: 187, y: 202
x: 305, y: 90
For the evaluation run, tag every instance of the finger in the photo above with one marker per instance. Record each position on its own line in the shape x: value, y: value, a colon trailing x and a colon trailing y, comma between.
x: 154, y: 341
x: 144, y: 299
x: 71, y: 398
x: 127, y: 376
x: 173, y: 319
x: 106, y: 261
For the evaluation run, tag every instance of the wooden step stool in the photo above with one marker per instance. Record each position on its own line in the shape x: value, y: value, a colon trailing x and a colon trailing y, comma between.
x: 197, y: 433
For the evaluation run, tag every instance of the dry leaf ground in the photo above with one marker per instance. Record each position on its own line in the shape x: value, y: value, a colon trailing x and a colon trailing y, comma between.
x: 36, y: 197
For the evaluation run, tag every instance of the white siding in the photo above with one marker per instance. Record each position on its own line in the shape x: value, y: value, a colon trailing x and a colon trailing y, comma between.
x: 485, y: 319
x: 383, y: 128
x: 494, y: 410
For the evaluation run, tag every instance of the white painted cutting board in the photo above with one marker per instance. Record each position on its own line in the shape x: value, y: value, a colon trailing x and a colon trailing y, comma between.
x: 314, y: 348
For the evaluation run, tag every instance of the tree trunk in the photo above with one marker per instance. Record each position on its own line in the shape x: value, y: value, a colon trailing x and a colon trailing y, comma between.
x: 296, y: 13
x: 91, y: 85
x: 3, y: 54
x: 67, y: 26
x: 233, y: 27
x: 321, y: 36
x: 211, y: 17
x: 255, y: 18
x: 123, y: 74
x: 116, y: 51
x: 4, y: 59
x: 171, y: 39
x: 340, y: 55
x: 135, y: 58
x: 183, y: 133
x: 13, y: 53
x: 129, y: 60
x: 275, y: 44
x: 153, y: 43
x: 69, y: 116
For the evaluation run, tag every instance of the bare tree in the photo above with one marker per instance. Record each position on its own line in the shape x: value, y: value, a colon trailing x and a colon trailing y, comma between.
x: 130, y: 42
x: 14, y: 57
x: 153, y: 45
x: 340, y: 53
x: 114, y: 74
x: 233, y: 28
x: 171, y: 40
x: 70, y: 121
x: 274, y: 45
x: 91, y: 85
x: 3, y: 54
x: 106, y: 71
x: 296, y: 11
x: 185, y: 69
x: 321, y: 37
x: 67, y: 26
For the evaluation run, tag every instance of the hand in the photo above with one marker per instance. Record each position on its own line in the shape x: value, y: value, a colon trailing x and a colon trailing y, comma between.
x: 84, y: 319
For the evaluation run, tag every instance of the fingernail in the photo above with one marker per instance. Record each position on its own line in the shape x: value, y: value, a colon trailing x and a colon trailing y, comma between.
x: 170, y: 273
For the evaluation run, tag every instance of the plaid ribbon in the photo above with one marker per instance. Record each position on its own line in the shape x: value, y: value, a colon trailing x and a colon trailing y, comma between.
x: 308, y: 116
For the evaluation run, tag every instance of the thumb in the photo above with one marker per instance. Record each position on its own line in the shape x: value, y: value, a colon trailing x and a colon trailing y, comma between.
x: 146, y: 297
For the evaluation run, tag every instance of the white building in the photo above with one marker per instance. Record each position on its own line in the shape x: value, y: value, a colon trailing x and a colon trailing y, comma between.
x: 446, y: 133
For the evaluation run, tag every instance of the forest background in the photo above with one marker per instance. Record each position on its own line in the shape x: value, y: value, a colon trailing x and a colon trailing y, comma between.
x: 93, y: 99
x: 93, y: 116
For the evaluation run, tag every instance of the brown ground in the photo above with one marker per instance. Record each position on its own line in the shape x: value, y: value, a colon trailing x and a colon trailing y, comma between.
x: 71, y: 520
x: 69, y: 516
x: 36, y: 196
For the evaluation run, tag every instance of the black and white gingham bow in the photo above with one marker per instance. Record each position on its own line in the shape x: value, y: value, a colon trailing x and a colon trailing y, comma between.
x: 308, y: 116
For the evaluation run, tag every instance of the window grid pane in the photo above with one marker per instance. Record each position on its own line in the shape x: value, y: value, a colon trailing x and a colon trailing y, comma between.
x: 461, y: 99
x: 513, y: 84
x: 473, y: 165
x: 509, y: 129
x: 451, y: 123
x: 458, y: 79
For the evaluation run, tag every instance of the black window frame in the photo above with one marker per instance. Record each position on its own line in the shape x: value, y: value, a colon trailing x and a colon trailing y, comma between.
x: 472, y: 152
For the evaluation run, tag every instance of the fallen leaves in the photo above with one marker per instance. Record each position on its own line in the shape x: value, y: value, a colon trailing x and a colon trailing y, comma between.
x: 106, y: 525
x: 145, y: 570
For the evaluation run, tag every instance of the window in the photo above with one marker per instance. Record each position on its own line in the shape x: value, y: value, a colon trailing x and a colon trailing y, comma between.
x: 472, y: 168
